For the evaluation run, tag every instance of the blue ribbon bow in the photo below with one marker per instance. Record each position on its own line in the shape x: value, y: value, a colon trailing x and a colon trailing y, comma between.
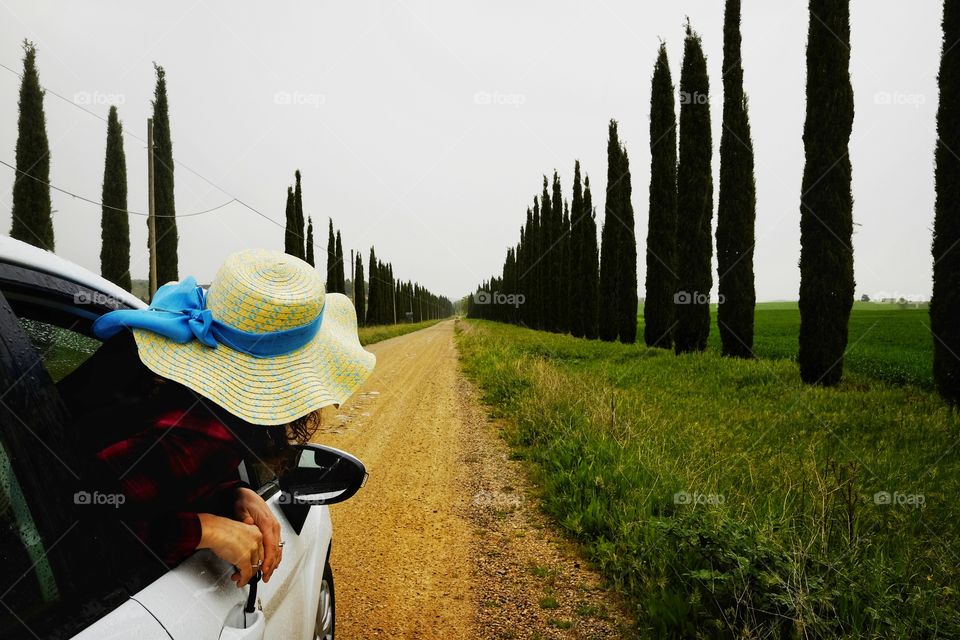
x: 178, y: 312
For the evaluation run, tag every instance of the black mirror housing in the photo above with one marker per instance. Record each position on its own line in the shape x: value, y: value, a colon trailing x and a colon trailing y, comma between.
x: 321, y: 475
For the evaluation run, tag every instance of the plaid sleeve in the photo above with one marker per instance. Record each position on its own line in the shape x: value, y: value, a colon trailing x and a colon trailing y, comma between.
x: 165, y: 475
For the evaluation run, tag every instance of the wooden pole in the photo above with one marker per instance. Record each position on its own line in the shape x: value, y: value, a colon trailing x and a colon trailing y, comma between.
x: 152, y: 214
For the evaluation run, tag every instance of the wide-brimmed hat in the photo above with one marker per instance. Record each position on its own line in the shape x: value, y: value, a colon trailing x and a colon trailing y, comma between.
x: 265, y: 342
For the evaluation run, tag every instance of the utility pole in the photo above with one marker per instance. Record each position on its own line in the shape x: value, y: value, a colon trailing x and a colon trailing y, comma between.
x: 152, y: 214
x: 353, y: 277
x: 393, y: 289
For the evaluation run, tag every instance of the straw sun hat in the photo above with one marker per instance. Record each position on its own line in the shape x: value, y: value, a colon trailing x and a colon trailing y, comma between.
x: 264, y: 342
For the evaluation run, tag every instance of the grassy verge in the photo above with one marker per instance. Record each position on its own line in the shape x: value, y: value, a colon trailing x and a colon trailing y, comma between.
x: 369, y: 335
x: 725, y: 498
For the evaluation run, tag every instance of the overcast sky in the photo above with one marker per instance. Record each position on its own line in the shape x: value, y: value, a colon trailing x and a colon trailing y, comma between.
x: 423, y: 128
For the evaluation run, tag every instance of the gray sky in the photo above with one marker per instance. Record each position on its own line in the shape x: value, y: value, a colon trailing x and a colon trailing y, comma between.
x: 423, y: 128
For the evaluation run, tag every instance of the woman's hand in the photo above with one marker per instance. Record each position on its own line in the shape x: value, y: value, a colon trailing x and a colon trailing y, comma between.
x: 250, y: 508
x: 239, y: 543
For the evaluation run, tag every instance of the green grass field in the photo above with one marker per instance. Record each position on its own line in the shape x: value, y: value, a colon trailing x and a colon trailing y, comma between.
x: 728, y: 500
x: 369, y: 335
x: 886, y: 342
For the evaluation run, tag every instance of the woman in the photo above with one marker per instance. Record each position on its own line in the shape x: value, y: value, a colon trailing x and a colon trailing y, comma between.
x: 182, y: 391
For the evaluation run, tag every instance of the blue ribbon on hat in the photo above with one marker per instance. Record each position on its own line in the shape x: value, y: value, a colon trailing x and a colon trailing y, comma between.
x: 178, y: 312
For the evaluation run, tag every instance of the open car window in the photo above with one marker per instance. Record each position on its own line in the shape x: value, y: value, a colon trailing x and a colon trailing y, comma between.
x: 61, y: 572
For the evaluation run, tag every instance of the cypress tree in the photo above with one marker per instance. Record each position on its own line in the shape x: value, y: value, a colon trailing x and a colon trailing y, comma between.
x: 358, y: 291
x: 290, y: 225
x: 737, y: 202
x: 694, y: 202
x: 164, y: 205
x: 556, y: 258
x: 589, y: 266
x: 565, y: 288
x: 826, y: 202
x: 626, y: 257
x: 115, y: 222
x: 575, y: 251
x: 547, y: 239
x: 341, y: 281
x: 526, y: 277
x: 32, y: 221
x: 332, y: 259
x: 609, y: 242
x: 309, y: 257
x: 537, y: 267
x: 661, y: 283
x: 945, y: 304
x: 373, y: 297
x: 298, y: 211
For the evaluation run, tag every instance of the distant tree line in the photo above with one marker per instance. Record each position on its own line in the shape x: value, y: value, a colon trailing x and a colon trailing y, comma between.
x: 379, y: 298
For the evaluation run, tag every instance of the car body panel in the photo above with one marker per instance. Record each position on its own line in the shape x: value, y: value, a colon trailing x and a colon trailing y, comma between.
x: 26, y: 255
x: 193, y: 599
x: 129, y: 620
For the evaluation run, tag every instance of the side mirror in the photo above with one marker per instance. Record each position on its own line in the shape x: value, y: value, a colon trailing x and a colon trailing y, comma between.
x: 321, y: 475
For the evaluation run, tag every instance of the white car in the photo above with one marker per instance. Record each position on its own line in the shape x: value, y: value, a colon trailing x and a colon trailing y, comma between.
x: 59, y: 580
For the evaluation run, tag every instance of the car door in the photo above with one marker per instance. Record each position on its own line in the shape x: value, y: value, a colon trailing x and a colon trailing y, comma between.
x: 197, y: 599
x: 54, y: 582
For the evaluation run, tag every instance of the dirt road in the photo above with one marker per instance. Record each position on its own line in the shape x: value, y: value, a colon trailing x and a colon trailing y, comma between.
x: 436, y: 544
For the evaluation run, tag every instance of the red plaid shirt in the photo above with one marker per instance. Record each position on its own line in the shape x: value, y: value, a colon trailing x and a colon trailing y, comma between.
x: 183, y: 464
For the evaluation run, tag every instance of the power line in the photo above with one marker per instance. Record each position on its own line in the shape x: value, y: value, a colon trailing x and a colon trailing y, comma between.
x: 107, y: 206
x: 233, y: 198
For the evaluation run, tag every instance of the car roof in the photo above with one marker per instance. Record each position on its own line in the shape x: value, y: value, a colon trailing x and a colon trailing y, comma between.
x: 26, y: 255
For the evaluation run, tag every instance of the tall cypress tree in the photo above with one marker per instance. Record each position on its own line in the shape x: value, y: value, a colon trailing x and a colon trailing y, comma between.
x: 373, y: 297
x: 576, y: 247
x: 589, y: 266
x: 547, y: 239
x: 290, y: 225
x: 737, y: 202
x: 332, y: 259
x: 555, y: 259
x: 610, y: 242
x: 309, y: 256
x: 527, y: 282
x: 298, y: 213
x: 32, y: 221
x: 359, y: 293
x: 826, y: 202
x: 341, y: 281
x: 694, y: 201
x: 114, y: 221
x: 661, y: 283
x: 164, y: 206
x: 626, y: 257
x: 945, y: 304
x: 565, y: 288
